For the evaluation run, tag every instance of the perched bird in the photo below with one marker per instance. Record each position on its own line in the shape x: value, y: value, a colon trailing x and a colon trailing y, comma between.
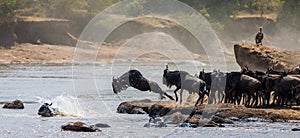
x: 259, y: 36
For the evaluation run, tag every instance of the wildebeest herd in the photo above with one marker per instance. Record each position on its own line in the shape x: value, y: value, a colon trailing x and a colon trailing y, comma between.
x: 247, y: 87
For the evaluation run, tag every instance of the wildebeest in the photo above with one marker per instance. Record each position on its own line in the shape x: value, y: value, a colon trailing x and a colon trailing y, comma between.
x: 184, y: 81
x: 215, y: 84
x: 284, y: 88
x: 296, y: 94
x: 47, y: 111
x: 135, y: 79
x: 264, y: 96
x: 259, y: 36
x: 237, y: 84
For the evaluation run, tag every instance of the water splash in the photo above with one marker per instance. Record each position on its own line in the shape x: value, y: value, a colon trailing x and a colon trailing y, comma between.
x: 66, y: 105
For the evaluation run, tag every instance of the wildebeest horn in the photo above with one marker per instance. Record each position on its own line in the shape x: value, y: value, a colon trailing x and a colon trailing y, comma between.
x: 167, y: 67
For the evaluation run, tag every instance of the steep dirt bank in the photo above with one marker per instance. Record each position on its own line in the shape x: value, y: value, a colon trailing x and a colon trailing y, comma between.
x: 261, y: 57
x: 36, y: 31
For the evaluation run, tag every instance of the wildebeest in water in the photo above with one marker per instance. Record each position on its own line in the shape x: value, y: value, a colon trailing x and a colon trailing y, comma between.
x: 134, y: 78
x: 47, y: 111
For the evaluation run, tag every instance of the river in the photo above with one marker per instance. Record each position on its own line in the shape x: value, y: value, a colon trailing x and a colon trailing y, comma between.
x: 83, y: 93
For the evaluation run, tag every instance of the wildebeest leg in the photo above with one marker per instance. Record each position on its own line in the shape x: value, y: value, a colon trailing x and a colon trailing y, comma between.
x: 169, y: 96
x: 267, y: 96
x: 156, y: 89
x: 199, y: 98
x: 180, y: 100
x: 176, y: 97
x: 256, y: 98
x: 221, y: 96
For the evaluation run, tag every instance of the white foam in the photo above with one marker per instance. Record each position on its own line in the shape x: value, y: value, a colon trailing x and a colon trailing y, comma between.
x: 66, y: 105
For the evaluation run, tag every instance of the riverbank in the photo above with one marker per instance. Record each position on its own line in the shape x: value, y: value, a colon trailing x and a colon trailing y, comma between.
x: 223, y: 111
x: 26, y: 53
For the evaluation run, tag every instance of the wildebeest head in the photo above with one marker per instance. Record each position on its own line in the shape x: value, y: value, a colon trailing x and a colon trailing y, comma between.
x: 121, y: 83
x: 164, y: 76
x: 46, y: 110
x: 296, y: 91
x: 115, y: 85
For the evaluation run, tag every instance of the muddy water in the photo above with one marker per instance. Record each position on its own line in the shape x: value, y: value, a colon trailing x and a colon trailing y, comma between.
x: 83, y: 93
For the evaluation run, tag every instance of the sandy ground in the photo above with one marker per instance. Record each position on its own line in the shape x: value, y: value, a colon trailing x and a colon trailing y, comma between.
x: 21, y: 53
x: 36, y: 53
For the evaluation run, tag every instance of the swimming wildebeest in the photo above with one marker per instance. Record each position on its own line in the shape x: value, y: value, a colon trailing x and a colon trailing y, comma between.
x: 259, y: 36
x: 47, y: 111
x: 134, y: 78
x: 184, y: 81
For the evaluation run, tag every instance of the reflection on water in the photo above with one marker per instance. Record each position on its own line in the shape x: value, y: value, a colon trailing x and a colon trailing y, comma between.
x: 94, y: 102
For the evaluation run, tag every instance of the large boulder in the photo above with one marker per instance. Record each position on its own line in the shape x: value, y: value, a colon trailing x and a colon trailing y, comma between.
x: 261, y: 57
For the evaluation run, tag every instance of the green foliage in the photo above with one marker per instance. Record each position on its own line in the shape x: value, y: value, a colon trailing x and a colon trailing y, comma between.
x: 7, y: 7
x: 96, y: 6
x: 289, y: 15
x: 135, y: 8
x: 217, y: 12
x: 260, y: 6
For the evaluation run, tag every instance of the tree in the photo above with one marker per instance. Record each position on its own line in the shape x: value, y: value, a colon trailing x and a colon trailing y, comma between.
x: 8, y: 7
x: 289, y: 15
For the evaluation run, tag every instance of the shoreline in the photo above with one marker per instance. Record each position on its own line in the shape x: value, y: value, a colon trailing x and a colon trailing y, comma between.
x: 27, y: 53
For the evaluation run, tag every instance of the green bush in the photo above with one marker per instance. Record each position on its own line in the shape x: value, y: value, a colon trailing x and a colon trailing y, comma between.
x: 8, y: 7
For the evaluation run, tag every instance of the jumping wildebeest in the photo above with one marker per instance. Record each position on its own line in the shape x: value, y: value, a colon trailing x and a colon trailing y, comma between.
x: 135, y: 79
x: 259, y: 36
x: 184, y: 81
x: 47, y: 111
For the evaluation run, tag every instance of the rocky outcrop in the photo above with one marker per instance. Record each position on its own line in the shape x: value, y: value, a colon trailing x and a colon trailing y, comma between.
x: 262, y: 57
x: 16, y: 104
x: 174, y: 113
x: 79, y: 127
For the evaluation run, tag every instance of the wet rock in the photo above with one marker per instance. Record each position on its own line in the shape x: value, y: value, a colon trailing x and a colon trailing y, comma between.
x: 100, y: 125
x: 234, y: 118
x: 175, y: 118
x: 156, y: 122
x: 16, y: 104
x: 296, y: 129
x: 211, y: 124
x: 188, y: 125
x: 254, y: 119
x: 221, y: 120
x: 129, y: 108
x: 158, y: 111
x: 79, y: 127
